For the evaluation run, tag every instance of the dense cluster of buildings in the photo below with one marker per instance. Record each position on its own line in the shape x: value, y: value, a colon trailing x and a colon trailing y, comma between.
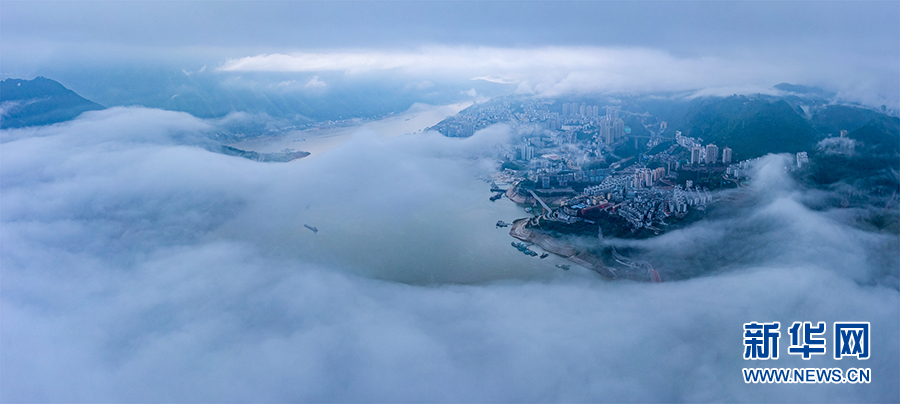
x: 700, y: 154
x: 634, y: 194
x: 566, y: 146
x: 563, y: 122
x: 570, y: 109
x: 476, y: 117
x: 636, y: 200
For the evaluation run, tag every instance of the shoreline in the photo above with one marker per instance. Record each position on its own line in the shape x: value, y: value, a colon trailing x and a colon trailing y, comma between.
x: 317, y: 141
x: 551, y: 245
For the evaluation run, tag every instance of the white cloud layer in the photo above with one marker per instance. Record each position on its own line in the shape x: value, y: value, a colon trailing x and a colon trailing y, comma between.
x: 559, y: 68
x: 552, y: 71
x: 137, y: 267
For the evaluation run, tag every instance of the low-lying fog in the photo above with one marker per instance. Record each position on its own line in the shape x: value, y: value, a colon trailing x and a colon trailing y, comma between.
x: 137, y: 266
x: 322, y: 139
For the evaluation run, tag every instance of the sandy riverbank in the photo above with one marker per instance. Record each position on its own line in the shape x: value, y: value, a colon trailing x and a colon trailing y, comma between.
x: 520, y: 231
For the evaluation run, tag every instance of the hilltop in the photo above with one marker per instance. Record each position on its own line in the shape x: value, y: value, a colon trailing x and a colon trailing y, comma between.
x: 751, y: 127
x: 39, y: 102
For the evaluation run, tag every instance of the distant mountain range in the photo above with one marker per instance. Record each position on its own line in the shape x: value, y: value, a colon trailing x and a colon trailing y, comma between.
x: 39, y: 102
x: 880, y: 136
x: 755, y: 126
x: 290, y: 98
x: 43, y: 102
x: 752, y: 126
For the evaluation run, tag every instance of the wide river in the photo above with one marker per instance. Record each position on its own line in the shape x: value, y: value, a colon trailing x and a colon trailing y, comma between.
x: 469, y: 239
x: 317, y: 141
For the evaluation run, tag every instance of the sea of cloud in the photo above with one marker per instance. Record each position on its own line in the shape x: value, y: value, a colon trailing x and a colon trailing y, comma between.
x: 138, y: 266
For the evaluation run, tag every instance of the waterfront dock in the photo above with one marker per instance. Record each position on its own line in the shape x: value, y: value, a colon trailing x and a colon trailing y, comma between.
x: 520, y: 231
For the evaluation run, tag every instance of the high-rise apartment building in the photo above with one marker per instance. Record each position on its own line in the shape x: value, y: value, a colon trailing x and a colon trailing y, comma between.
x: 726, y: 155
x: 712, y: 153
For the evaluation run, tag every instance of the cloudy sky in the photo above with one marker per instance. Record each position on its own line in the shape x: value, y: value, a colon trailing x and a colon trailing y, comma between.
x: 137, y: 266
x: 552, y: 47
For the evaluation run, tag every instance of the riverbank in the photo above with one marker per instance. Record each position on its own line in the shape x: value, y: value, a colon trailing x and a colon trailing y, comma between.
x: 519, y: 230
x: 320, y: 140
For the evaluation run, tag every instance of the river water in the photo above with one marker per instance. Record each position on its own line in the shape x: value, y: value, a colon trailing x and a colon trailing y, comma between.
x: 317, y: 141
x: 445, y: 231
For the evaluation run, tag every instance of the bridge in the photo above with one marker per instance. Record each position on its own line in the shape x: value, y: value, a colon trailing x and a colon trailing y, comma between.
x: 541, y: 201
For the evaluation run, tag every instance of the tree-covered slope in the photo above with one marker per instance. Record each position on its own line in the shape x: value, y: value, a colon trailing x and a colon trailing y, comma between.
x: 831, y: 119
x: 751, y: 127
x: 881, y: 135
x: 39, y: 102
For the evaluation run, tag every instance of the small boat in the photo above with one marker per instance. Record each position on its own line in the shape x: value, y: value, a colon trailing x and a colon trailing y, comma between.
x: 521, y: 247
x: 564, y: 267
x: 544, y: 255
x: 314, y: 230
x: 501, y: 223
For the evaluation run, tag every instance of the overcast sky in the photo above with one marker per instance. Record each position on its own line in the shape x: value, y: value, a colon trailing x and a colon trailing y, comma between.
x: 849, y: 47
x: 691, y: 28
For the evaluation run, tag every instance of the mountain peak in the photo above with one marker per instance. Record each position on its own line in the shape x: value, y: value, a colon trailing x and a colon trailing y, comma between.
x: 40, y: 101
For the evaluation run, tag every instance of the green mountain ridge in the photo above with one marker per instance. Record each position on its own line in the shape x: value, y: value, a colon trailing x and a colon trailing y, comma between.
x: 831, y: 119
x: 39, y: 102
x: 750, y: 127
x: 873, y: 164
x: 754, y: 126
x: 881, y: 135
x: 292, y: 98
